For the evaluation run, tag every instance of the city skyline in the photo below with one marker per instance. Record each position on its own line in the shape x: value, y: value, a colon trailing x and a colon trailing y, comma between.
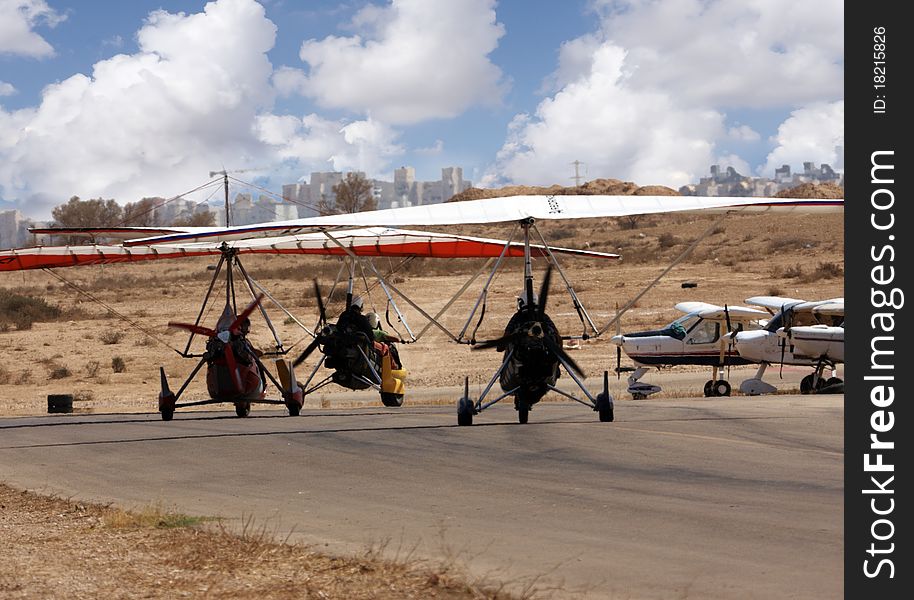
x: 138, y: 99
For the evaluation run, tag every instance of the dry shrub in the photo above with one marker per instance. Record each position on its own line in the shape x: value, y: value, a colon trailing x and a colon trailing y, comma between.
x: 92, y: 368
x: 22, y: 311
x: 59, y: 372
x: 6, y: 376
x: 828, y: 270
x: 118, y: 365
x: 111, y: 337
x: 668, y: 240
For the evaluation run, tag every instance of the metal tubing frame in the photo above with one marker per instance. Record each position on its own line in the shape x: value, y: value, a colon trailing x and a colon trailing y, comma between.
x: 504, y: 363
x: 314, y: 371
x: 263, y: 311
x: 499, y: 399
x: 212, y: 284
x: 485, y: 288
x: 570, y: 396
x: 190, y: 378
x: 578, y: 306
x: 675, y: 262
x: 459, y: 293
x: 578, y: 381
x: 371, y: 368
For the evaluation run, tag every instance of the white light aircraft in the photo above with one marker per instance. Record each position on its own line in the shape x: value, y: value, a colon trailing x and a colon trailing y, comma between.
x: 697, y: 338
x: 798, y: 333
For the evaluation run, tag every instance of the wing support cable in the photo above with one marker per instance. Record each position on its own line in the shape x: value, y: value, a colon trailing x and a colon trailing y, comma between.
x: 116, y: 313
x: 675, y: 262
x: 456, y: 296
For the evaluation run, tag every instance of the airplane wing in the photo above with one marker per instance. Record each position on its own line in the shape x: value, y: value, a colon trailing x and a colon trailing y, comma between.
x: 712, y: 312
x: 362, y: 242
x: 773, y: 304
x: 508, y: 209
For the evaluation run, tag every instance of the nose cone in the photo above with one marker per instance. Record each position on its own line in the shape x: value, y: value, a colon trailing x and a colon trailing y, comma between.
x: 618, y: 340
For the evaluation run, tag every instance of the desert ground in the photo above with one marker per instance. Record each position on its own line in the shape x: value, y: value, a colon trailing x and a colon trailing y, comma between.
x: 111, y: 336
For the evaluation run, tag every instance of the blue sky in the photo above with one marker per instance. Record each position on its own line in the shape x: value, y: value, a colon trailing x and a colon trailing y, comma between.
x: 124, y: 100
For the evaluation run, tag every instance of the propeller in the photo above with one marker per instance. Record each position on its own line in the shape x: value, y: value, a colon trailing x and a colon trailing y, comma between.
x: 320, y: 303
x: 544, y: 293
x: 505, y: 339
x: 560, y: 352
x: 322, y: 320
x: 233, y: 329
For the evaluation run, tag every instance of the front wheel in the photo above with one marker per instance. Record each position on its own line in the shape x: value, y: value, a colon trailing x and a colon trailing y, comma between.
x: 605, y: 408
x: 392, y: 400
x: 167, y: 414
x: 243, y: 409
x: 465, y: 411
x: 721, y: 387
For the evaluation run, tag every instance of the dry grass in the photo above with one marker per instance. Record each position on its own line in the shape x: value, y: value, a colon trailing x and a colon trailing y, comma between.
x: 58, y: 548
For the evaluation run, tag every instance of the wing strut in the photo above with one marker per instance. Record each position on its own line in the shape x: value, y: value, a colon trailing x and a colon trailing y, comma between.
x: 675, y: 262
x: 582, y: 312
x: 485, y: 288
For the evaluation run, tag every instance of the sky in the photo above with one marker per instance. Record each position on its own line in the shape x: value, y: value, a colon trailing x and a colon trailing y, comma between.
x: 125, y: 100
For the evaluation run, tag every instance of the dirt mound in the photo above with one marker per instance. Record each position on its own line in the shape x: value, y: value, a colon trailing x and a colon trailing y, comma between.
x: 813, y: 190
x: 610, y: 187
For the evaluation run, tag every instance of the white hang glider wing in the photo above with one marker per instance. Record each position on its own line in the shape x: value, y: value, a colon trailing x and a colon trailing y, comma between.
x: 502, y: 210
x: 361, y: 242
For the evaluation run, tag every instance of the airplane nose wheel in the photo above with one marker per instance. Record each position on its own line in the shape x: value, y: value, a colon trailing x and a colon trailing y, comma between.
x: 721, y: 387
x: 243, y: 409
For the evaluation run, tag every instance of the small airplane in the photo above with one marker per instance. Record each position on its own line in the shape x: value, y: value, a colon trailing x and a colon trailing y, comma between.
x: 350, y: 350
x: 798, y: 333
x: 532, y: 363
x: 697, y: 338
x: 234, y: 373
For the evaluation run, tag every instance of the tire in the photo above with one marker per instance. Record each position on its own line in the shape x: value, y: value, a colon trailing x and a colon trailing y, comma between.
x: 605, y: 408
x: 243, y: 409
x: 167, y: 415
x: 294, y: 409
x: 708, y: 391
x: 806, y: 386
x: 465, y: 412
x: 392, y: 400
x: 523, y: 414
x: 721, y: 387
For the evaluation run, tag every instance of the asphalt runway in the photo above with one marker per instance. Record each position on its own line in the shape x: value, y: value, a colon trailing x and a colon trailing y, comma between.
x: 678, y: 498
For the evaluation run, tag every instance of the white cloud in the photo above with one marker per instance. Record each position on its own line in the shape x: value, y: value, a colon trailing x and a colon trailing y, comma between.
x: 811, y: 134
x: 151, y: 123
x: 617, y: 131
x: 743, y: 133
x: 17, y: 21
x: 411, y: 61
x: 6, y: 89
x: 433, y: 150
x: 759, y: 53
x: 312, y: 143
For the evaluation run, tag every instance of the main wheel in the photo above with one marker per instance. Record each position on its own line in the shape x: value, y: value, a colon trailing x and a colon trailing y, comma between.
x: 834, y: 385
x: 465, y: 410
x: 391, y: 399
x: 721, y: 387
x: 243, y: 409
x: 167, y: 414
x: 523, y: 413
x: 294, y: 409
x: 708, y: 388
x: 806, y: 385
x: 605, y: 408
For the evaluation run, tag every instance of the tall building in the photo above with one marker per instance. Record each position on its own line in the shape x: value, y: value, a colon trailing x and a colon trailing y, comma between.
x: 731, y: 183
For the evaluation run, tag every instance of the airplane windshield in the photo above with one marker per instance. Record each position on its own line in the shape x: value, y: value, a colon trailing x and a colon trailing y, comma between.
x: 791, y: 318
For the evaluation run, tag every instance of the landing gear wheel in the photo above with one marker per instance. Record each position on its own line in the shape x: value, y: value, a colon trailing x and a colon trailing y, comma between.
x: 605, y: 408
x: 391, y: 399
x: 243, y: 409
x: 523, y: 413
x: 833, y: 385
x: 721, y: 387
x: 806, y: 386
x: 167, y: 414
x: 708, y: 388
x: 294, y: 409
x: 465, y: 411
x: 637, y: 396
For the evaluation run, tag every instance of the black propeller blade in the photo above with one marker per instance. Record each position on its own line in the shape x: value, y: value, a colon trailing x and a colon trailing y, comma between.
x: 560, y: 352
x: 503, y: 340
x: 307, y: 352
x: 544, y: 292
x: 320, y: 303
